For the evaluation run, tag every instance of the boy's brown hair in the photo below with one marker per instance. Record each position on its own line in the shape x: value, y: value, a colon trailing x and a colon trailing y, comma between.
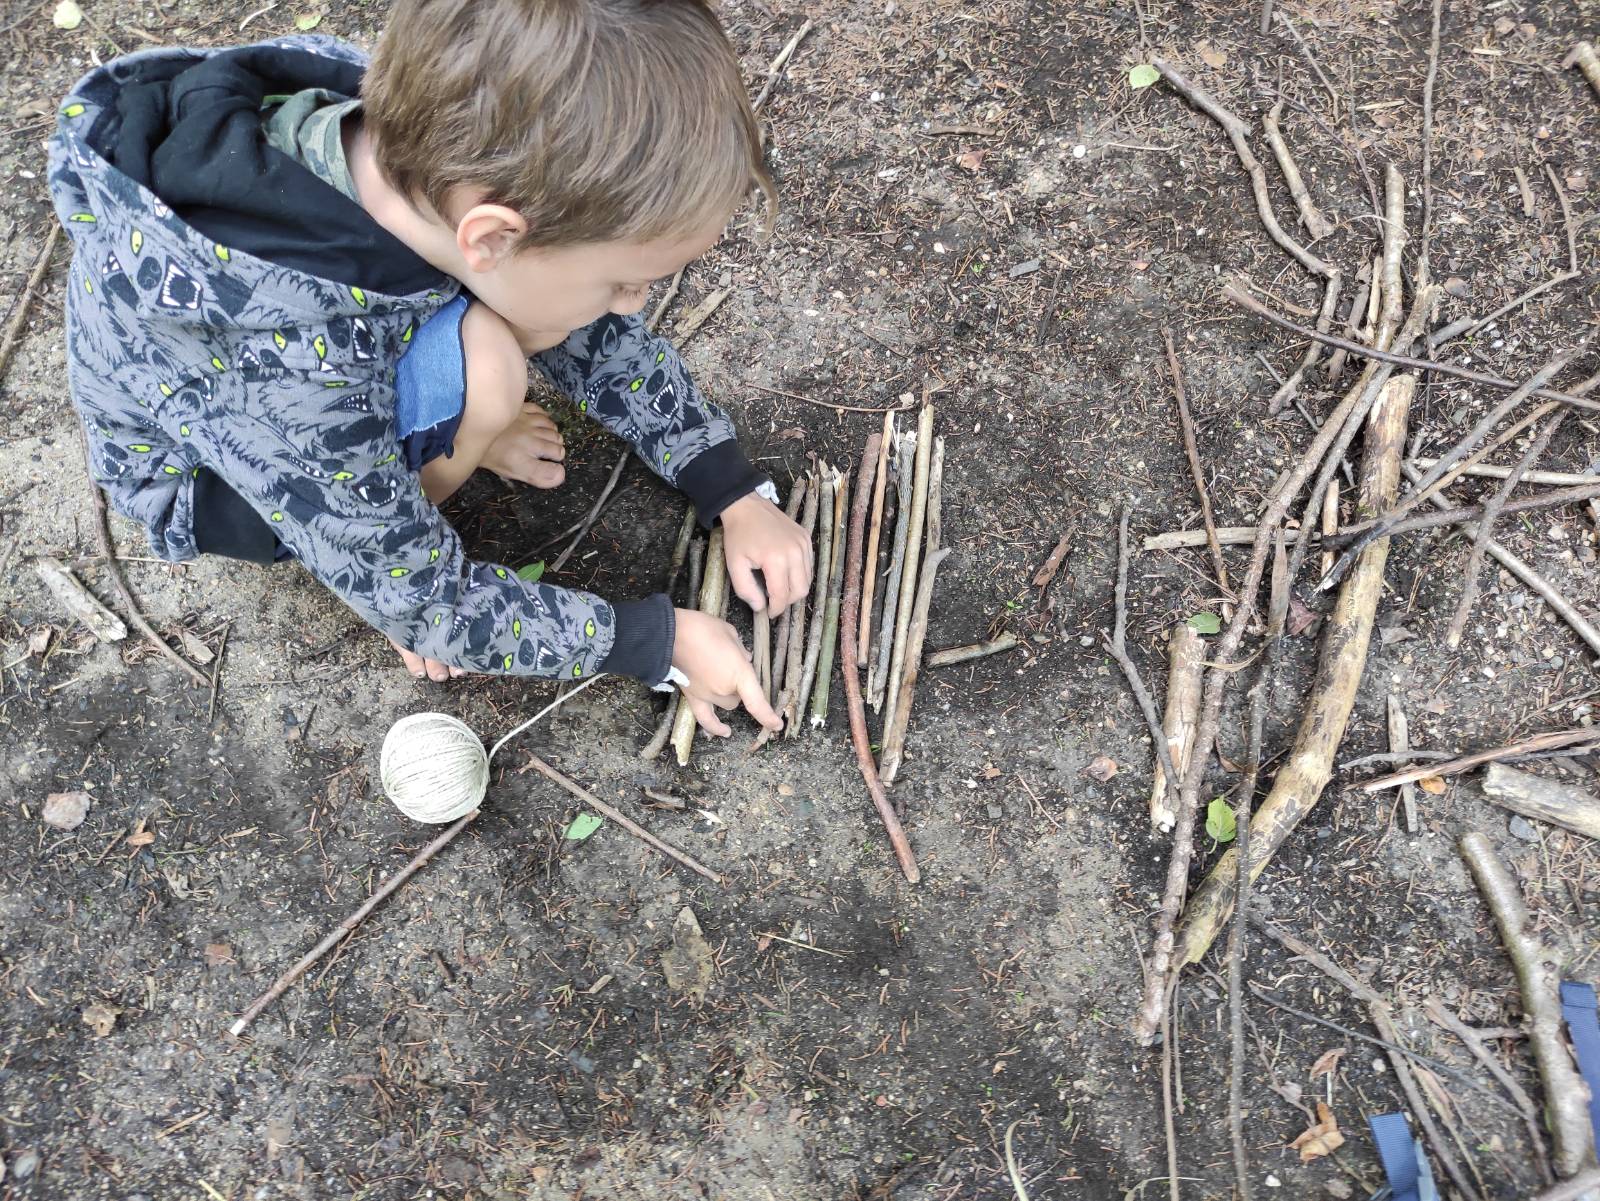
x: 596, y: 120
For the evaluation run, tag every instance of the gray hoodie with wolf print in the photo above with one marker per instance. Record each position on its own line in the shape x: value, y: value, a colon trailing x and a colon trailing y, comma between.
x: 233, y: 326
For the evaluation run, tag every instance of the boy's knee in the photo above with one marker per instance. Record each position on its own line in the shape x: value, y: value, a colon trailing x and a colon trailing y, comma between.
x: 496, y: 371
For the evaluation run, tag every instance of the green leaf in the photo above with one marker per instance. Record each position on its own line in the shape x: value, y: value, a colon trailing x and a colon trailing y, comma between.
x: 530, y: 573
x: 1205, y: 623
x: 306, y: 22
x: 586, y: 824
x: 1143, y: 76
x: 1219, y: 820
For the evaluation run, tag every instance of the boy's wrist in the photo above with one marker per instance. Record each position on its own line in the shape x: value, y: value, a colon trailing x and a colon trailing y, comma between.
x: 645, y: 634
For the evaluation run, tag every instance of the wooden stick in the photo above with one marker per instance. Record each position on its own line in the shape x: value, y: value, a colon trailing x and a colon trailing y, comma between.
x: 881, y: 470
x: 1565, y: 1096
x: 780, y: 654
x: 1237, y: 134
x: 1554, y: 741
x: 713, y: 600
x: 669, y: 715
x: 622, y: 819
x: 594, y: 512
x: 691, y: 321
x: 1185, y: 671
x: 1358, y: 308
x: 19, y: 315
x: 666, y: 301
x: 102, y: 531
x: 977, y: 650
x: 1542, y: 799
x: 1344, y: 651
x: 1316, y: 224
x: 780, y: 62
x: 830, y: 622
x: 1290, y: 387
x: 1400, y: 744
x: 894, y: 739
x: 340, y: 932
x: 1473, y: 1042
x: 859, y: 737
x: 1227, y: 535
x: 1490, y: 471
x: 1195, y: 470
x: 1427, y: 145
x: 913, y: 553
x: 1583, y: 57
x: 1491, y: 513
x: 827, y: 510
x: 78, y: 600
x: 794, y: 659
x: 761, y: 652
x: 680, y: 551
x: 878, y: 673
x: 1243, y: 299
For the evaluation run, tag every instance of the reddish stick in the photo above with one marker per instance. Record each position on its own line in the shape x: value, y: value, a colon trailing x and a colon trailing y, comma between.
x: 852, y: 680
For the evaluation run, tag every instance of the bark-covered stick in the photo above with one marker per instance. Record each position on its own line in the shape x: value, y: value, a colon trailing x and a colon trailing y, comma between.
x: 1317, y: 225
x: 913, y: 556
x: 713, y: 600
x: 680, y: 551
x: 978, y: 650
x: 830, y: 621
x: 1585, y: 58
x: 1344, y: 653
x: 1542, y: 799
x: 874, y: 535
x: 794, y: 660
x: 780, y: 635
x: 878, y: 671
x: 894, y: 739
x: 1555, y: 740
x: 860, y: 739
x: 1538, y: 975
x: 669, y: 715
x: 1186, y: 670
x: 827, y: 493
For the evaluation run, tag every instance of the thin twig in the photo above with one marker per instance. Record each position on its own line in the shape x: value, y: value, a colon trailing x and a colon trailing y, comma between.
x: 350, y: 923
x: 669, y: 715
x: 1579, y: 1187
x: 1555, y: 740
x: 713, y: 601
x: 780, y: 651
x: 1480, y: 540
x: 859, y: 738
x: 1355, y: 536
x: 827, y: 503
x: 666, y: 301
x: 896, y: 729
x: 1427, y: 145
x: 778, y: 64
x: 593, y: 513
x: 1289, y: 388
x: 1011, y: 1164
x: 828, y: 404
x: 1195, y: 470
x: 1243, y: 299
x: 878, y: 667
x: 795, y: 655
x: 19, y: 314
x: 874, y: 536
x: 102, y: 530
x: 1316, y: 224
x: 830, y: 621
x: 913, y: 554
x: 1168, y: 1056
x: 216, y: 674
x: 680, y: 551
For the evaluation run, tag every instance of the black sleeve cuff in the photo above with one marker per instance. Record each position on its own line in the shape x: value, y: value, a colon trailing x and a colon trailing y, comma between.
x: 224, y: 524
x: 716, y: 478
x: 645, y: 633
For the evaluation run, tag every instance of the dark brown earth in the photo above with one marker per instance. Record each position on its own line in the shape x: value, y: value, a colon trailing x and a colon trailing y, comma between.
x: 974, y: 198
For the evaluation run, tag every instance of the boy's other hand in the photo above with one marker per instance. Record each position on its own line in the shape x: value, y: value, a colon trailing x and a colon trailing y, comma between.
x: 758, y: 536
x: 721, y: 676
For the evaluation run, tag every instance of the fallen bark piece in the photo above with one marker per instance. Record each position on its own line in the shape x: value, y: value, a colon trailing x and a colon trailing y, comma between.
x: 1543, y: 799
x: 978, y: 650
x: 1186, y: 671
x: 1344, y: 653
x: 1566, y: 1098
x: 79, y: 601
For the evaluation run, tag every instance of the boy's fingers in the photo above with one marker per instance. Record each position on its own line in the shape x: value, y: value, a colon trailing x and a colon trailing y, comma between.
x: 707, y: 717
x: 744, y: 583
x: 756, y: 703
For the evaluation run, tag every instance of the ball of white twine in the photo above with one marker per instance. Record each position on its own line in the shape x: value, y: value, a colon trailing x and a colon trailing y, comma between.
x: 433, y: 767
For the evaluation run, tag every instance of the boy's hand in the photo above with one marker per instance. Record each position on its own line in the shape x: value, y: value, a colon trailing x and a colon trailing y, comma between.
x: 709, y: 652
x: 757, y: 534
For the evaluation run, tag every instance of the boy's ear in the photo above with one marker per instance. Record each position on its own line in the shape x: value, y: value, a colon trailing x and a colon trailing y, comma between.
x: 487, y: 233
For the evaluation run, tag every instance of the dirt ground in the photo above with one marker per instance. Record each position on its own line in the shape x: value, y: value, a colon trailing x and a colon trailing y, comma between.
x: 975, y: 197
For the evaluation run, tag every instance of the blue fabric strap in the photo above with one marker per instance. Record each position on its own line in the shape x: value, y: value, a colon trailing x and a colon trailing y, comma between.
x: 1397, y: 1151
x: 1578, y: 1006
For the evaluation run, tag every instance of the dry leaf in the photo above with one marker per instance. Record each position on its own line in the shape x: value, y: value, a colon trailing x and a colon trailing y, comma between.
x: 66, y: 810
x: 687, y: 963
x: 198, y: 650
x: 1432, y: 785
x: 1045, y: 574
x: 972, y: 160
x: 102, y: 1019
x: 991, y: 772
x: 1300, y: 617
x: 1326, y: 1062
x: 1321, y: 1139
x: 1101, y: 767
x: 1211, y: 56
x: 142, y: 839
x: 218, y: 953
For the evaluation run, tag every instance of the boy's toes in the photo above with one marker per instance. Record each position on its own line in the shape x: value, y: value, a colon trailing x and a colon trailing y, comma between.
x: 544, y: 474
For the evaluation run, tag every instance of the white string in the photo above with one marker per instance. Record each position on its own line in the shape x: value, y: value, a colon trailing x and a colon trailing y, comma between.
x: 433, y: 766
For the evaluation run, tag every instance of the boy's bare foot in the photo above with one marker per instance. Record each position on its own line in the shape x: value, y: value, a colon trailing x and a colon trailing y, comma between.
x: 426, y: 669
x: 530, y: 449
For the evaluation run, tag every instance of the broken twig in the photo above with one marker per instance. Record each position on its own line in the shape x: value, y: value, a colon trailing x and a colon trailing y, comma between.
x: 977, y: 650
x: 1555, y: 740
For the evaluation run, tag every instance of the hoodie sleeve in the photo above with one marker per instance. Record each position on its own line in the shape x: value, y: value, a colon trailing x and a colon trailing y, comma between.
x: 330, y: 484
x: 635, y: 385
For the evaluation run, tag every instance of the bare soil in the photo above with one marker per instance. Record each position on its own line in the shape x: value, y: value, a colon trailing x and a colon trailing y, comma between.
x: 973, y: 197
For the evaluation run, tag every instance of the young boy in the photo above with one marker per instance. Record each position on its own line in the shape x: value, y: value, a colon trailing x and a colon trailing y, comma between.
x: 305, y: 292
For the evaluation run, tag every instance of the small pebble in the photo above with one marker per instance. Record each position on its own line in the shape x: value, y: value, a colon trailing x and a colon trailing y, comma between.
x: 1521, y: 828
x: 25, y: 1165
x: 1272, y: 1181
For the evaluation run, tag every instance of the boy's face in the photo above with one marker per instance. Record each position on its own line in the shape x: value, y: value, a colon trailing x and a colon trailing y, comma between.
x: 548, y: 293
